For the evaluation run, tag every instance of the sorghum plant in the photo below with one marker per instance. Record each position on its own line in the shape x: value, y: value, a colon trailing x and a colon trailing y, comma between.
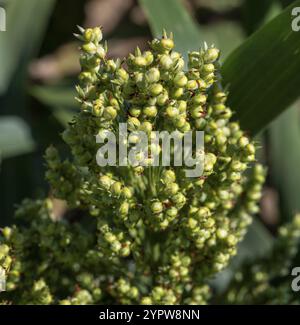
x: 146, y: 235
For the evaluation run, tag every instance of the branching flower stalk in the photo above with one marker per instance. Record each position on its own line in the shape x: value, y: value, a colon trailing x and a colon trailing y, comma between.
x: 148, y: 235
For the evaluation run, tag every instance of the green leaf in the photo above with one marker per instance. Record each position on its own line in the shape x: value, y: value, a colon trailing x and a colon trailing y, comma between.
x: 284, y: 142
x: 172, y: 16
x: 263, y: 73
x: 15, y: 137
x: 26, y: 22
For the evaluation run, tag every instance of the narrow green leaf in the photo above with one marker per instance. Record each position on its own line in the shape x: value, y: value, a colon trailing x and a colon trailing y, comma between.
x: 26, y: 22
x: 263, y: 73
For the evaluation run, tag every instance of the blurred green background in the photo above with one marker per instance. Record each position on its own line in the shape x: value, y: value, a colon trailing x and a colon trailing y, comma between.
x: 39, y: 64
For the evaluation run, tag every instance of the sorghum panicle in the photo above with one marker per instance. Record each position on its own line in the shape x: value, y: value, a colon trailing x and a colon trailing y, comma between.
x: 150, y: 235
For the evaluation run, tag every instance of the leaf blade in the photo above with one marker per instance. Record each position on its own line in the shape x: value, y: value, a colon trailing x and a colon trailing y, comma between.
x: 264, y: 83
x: 22, y: 34
x: 172, y: 16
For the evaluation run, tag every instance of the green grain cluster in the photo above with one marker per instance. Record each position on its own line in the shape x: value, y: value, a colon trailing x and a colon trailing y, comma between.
x: 146, y: 235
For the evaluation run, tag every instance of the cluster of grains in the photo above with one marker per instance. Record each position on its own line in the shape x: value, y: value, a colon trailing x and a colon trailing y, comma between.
x: 150, y: 234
